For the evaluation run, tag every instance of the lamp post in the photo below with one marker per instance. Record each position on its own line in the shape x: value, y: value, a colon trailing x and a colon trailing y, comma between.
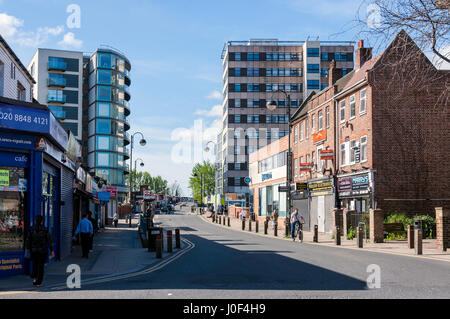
x: 272, y: 105
x: 142, y: 142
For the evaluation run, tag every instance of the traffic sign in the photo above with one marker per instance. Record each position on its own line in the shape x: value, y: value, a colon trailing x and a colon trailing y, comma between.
x: 283, y: 189
x: 247, y: 180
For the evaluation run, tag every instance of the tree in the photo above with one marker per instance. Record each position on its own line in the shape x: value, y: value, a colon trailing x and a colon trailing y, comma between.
x: 175, y: 189
x: 427, y: 22
x: 205, y: 171
x: 155, y: 184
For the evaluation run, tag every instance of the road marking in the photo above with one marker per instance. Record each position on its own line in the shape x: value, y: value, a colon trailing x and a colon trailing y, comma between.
x: 326, y: 245
x: 16, y: 292
x: 154, y: 268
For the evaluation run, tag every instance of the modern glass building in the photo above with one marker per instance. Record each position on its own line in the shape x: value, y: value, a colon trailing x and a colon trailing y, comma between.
x: 108, y: 83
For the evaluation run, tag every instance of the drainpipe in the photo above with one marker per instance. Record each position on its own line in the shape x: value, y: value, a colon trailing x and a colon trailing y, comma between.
x: 336, y: 152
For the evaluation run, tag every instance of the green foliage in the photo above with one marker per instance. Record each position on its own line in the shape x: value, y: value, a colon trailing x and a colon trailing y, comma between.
x: 156, y: 184
x: 351, y: 233
x: 332, y: 236
x: 392, y: 236
x: 406, y: 221
x: 202, y: 179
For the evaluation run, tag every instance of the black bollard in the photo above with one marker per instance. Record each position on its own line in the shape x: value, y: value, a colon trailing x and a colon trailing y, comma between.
x: 213, y: 218
x: 418, y: 241
x: 411, y: 237
x: 316, y: 234
x: 229, y: 225
x: 275, y: 229
x: 265, y: 227
x: 287, y: 228
x: 177, y: 239
x: 249, y: 225
x: 169, y: 241
x: 337, y: 237
x: 256, y: 226
x: 243, y: 224
x: 159, y: 246
x: 359, y: 237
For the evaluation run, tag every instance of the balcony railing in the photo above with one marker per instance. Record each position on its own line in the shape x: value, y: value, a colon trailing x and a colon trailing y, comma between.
x: 57, y: 111
x: 57, y: 98
x: 60, y: 82
x: 57, y: 65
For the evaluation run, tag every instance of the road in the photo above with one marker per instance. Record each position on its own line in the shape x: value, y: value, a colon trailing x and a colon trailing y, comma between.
x: 225, y: 263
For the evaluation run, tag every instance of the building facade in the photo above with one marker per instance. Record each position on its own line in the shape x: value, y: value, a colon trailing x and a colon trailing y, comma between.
x: 59, y: 84
x: 108, y: 109
x: 254, y: 72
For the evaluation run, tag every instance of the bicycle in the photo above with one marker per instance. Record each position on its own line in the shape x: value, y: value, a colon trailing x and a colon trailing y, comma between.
x: 298, y: 231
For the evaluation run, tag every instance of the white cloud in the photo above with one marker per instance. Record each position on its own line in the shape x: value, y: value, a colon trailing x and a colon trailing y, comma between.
x: 10, y: 28
x: 9, y: 25
x: 215, y: 111
x: 69, y: 41
x: 215, y: 95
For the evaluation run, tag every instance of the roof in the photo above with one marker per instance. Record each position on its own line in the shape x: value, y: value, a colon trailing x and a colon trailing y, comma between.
x: 357, y: 75
x: 24, y: 69
x: 23, y: 103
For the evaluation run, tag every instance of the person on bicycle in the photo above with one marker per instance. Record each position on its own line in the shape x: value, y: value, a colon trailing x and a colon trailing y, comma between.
x: 296, y: 219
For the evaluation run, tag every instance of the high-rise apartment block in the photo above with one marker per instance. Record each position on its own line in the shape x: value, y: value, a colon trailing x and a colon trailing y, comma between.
x: 255, y: 72
x: 59, y: 84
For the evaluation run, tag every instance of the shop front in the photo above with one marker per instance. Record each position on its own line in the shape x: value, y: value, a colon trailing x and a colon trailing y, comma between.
x: 30, y: 180
x: 355, y: 191
x: 322, y: 201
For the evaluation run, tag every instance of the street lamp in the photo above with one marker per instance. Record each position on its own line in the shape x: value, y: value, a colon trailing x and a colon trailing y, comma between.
x: 142, y: 142
x: 272, y: 105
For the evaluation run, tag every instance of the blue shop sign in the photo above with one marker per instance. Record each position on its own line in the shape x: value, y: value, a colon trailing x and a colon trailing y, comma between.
x: 13, y: 159
x: 11, y: 264
x: 104, y: 196
x: 32, y: 120
x: 266, y: 176
x: 24, y: 119
x: 14, y: 140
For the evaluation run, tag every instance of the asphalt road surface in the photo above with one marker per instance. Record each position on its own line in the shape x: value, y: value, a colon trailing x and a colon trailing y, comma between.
x: 223, y: 263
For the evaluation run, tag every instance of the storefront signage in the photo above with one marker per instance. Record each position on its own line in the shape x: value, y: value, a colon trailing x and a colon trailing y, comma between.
x: 104, y: 196
x: 283, y: 189
x: 326, y: 154
x: 73, y: 148
x: 4, y: 177
x: 353, y: 185
x: 305, y: 167
x: 266, y: 176
x: 11, y: 264
x: 357, y: 154
x: 324, y: 187
x: 320, y: 136
x: 13, y: 159
x: 301, y: 186
x: 13, y: 140
x: 112, y: 190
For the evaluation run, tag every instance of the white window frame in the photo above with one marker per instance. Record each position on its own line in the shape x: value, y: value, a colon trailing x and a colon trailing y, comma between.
x: 301, y: 131
x: 313, y: 118
x: 307, y: 128
x: 342, y: 108
x: 295, y: 134
x: 350, y: 149
x: 353, y: 97
x: 296, y: 167
x: 361, y: 149
x: 327, y: 116
x: 361, y: 100
x: 320, y: 120
x: 344, y: 156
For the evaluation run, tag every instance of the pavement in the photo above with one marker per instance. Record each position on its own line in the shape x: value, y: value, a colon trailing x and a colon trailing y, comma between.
x: 398, y: 247
x: 116, y: 251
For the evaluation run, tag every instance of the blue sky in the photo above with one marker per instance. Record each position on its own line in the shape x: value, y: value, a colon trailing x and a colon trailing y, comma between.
x: 174, y: 48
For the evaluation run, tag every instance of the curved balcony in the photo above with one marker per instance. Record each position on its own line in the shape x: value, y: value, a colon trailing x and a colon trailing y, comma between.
x: 127, y: 96
x: 126, y: 124
x: 126, y: 154
x: 127, y: 81
x: 127, y: 108
x: 126, y: 139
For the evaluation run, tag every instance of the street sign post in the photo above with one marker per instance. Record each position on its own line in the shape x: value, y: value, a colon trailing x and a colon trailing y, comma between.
x: 283, y: 189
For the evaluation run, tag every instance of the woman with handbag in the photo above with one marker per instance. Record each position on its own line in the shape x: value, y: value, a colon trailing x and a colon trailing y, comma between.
x: 38, y: 244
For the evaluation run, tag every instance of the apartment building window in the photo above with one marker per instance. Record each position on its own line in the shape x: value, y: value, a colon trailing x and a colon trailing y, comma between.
x: 323, y: 72
x: 237, y: 181
x: 296, y: 134
x: 21, y: 92
x: 253, y: 72
x: 342, y: 111
x: 253, y: 87
x: 307, y: 128
x: 343, y: 154
x: 301, y: 131
x: 252, y: 134
x: 327, y: 116
x: 237, y: 103
x: 252, y: 148
x: 307, y: 158
x: 296, y: 167
x: 237, y: 118
x: 13, y: 71
x: 313, y: 68
x: 320, y: 120
x: 363, y: 145
x: 313, y: 122
x: 352, y: 107
x: 313, y: 52
x: 313, y: 157
x: 237, y: 88
x: 352, y: 151
x: 253, y: 119
x: 362, y: 102
x: 324, y: 56
x: 340, y: 56
x: 253, y: 57
x: 237, y: 56
x: 237, y: 150
x: 313, y: 84
x: 237, y: 72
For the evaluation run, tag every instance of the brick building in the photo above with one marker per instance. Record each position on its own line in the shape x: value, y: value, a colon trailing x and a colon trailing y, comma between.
x: 383, y: 133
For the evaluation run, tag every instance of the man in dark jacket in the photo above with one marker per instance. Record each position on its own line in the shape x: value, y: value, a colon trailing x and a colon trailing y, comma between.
x: 39, y: 243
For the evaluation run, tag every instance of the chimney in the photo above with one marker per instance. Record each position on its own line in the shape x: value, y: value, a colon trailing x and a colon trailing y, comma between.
x: 334, y: 74
x: 362, y: 55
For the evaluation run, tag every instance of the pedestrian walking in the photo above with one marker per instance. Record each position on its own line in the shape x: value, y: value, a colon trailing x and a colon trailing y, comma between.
x: 85, y: 229
x: 274, y: 217
x: 39, y: 243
